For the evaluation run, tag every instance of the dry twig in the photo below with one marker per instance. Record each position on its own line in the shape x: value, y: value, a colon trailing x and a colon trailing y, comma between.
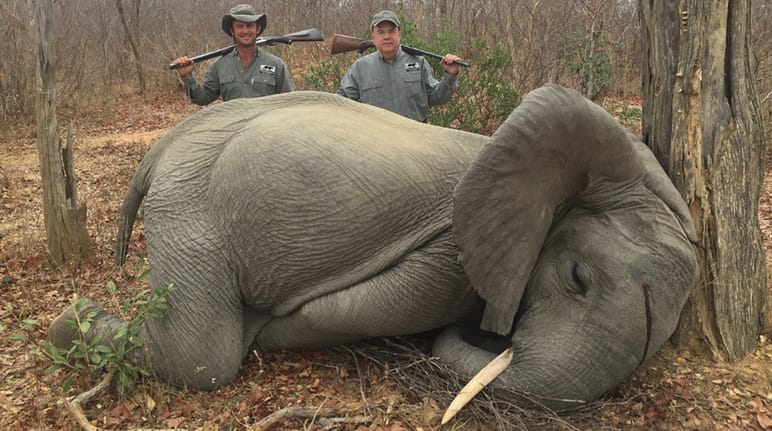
x: 74, y: 405
x: 324, y: 417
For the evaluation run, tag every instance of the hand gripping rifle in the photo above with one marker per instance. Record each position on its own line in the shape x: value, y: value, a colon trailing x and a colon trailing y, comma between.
x: 342, y: 43
x: 310, y: 35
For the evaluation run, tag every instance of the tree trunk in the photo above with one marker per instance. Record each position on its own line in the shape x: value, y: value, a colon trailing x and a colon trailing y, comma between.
x: 132, y: 44
x: 701, y: 118
x: 65, y: 221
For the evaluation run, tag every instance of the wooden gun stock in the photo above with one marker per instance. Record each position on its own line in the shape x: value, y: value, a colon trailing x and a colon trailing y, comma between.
x: 310, y: 35
x: 342, y: 43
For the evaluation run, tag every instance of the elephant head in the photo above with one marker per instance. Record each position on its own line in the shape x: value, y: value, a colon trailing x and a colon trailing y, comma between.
x: 580, y: 245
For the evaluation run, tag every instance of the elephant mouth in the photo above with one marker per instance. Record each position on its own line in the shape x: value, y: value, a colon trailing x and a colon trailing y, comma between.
x: 494, y: 343
x: 647, y: 307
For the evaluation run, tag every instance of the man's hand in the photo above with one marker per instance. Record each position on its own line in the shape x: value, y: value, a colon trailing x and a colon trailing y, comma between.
x: 449, y: 65
x: 186, y: 66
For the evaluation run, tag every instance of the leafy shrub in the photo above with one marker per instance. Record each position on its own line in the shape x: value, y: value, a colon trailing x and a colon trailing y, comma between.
x: 485, y: 95
x: 589, y: 60
x: 94, y: 358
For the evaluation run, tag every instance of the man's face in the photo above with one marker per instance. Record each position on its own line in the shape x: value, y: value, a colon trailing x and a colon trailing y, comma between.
x: 244, y: 33
x: 386, y: 37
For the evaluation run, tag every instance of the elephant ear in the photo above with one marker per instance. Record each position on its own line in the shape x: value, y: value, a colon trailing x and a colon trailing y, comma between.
x: 555, y: 145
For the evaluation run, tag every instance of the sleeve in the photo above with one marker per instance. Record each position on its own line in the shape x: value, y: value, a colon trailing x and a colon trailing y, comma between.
x: 438, y: 92
x: 206, y: 93
x: 348, y: 85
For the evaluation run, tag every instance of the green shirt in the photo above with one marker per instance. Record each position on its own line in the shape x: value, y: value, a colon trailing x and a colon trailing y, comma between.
x: 406, y: 85
x: 226, y: 77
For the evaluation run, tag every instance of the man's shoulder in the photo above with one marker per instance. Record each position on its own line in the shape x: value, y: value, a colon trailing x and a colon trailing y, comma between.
x: 368, y: 60
x: 267, y: 57
x: 222, y: 62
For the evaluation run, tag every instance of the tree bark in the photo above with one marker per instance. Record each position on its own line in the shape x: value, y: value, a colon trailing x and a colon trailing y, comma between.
x: 65, y: 221
x: 132, y: 43
x: 701, y: 118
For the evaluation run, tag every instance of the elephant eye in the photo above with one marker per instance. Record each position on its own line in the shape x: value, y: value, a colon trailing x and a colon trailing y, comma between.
x: 579, y: 279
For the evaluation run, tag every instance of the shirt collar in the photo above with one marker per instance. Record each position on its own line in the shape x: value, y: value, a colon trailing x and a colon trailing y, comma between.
x: 397, y: 56
x: 235, y: 52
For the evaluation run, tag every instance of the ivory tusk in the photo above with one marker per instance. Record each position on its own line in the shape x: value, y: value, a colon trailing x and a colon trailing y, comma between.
x: 477, y: 383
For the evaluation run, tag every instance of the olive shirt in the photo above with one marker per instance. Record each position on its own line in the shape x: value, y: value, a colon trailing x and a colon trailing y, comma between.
x: 226, y: 77
x: 406, y: 85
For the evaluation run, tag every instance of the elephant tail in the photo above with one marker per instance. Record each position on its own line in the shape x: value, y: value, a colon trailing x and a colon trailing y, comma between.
x: 129, y: 208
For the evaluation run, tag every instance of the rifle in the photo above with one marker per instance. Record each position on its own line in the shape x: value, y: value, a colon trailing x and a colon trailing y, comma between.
x: 310, y: 35
x: 342, y: 43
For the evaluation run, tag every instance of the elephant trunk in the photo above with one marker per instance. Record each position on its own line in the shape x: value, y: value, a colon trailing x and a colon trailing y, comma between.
x: 558, y: 373
x: 90, y: 323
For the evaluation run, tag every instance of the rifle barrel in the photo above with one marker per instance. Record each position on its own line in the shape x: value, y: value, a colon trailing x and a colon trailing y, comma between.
x: 310, y: 35
x: 415, y: 51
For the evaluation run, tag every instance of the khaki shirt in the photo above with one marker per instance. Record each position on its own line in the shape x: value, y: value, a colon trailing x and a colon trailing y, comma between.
x: 406, y: 85
x: 226, y: 77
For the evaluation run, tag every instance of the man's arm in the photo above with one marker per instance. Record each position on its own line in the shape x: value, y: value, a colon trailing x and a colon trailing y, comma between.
x: 206, y: 93
x: 439, y: 92
x: 348, y: 86
x: 284, y: 83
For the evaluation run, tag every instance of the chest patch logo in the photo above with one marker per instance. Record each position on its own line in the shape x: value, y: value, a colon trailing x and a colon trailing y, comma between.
x: 412, y: 67
x: 267, y: 69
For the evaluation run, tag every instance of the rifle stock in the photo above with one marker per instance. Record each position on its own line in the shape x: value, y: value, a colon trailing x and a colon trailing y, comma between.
x: 342, y: 43
x: 309, y: 35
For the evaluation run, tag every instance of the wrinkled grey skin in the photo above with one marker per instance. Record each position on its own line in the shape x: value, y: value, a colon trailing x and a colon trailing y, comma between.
x: 305, y: 220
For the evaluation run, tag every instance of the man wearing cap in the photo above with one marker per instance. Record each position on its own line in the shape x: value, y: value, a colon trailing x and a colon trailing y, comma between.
x: 245, y: 72
x: 395, y: 80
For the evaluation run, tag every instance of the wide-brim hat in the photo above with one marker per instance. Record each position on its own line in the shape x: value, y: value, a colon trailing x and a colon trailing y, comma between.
x: 243, y: 13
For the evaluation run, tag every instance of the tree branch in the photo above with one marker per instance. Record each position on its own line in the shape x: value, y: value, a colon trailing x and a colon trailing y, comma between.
x: 324, y: 417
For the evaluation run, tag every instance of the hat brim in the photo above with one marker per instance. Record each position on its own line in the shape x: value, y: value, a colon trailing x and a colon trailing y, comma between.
x: 376, y: 24
x: 227, y: 22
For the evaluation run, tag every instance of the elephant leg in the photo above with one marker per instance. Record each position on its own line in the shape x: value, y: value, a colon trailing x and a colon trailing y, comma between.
x: 423, y: 291
x: 199, y: 341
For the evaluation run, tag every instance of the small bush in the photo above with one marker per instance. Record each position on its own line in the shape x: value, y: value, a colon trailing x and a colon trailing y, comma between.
x: 94, y: 358
x: 485, y: 95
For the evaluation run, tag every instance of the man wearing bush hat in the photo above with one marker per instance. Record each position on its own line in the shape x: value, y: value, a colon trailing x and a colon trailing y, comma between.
x: 246, y: 72
x: 395, y: 80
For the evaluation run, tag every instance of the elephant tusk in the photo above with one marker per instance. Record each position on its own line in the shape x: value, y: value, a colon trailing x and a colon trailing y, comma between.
x: 477, y: 383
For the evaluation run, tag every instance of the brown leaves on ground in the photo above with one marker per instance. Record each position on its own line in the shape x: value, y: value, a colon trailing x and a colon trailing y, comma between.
x: 676, y: 390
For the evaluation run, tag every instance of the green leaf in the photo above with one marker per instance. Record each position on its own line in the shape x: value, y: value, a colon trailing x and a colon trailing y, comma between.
x: 30, y: 322
x: 17, y: 337
x: 79, y: 303
x: 121, y: 333
x: 101, y: 348
x: 111, y: 287
x: 67, y: 384
x: 84, y: 327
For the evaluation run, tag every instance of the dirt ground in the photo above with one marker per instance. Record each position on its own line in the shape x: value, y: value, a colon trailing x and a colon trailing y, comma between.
x: 676, y: 390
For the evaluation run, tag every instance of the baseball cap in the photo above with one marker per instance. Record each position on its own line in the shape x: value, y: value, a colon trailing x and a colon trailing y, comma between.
x: 385, y: 15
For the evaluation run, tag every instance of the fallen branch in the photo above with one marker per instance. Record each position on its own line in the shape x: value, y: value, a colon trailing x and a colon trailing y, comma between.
x: 74, y: 405
x: 324, y: 417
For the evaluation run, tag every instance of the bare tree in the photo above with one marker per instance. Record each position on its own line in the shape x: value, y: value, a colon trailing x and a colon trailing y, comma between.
x: 702, y: 120
x: 65, y: 220
x: 132, y: 39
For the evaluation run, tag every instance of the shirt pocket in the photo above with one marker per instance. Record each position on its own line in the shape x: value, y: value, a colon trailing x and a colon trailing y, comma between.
x: 372, y: 93
x: 226, y: 80
x: 413, y: 82
x: 265, y: 81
